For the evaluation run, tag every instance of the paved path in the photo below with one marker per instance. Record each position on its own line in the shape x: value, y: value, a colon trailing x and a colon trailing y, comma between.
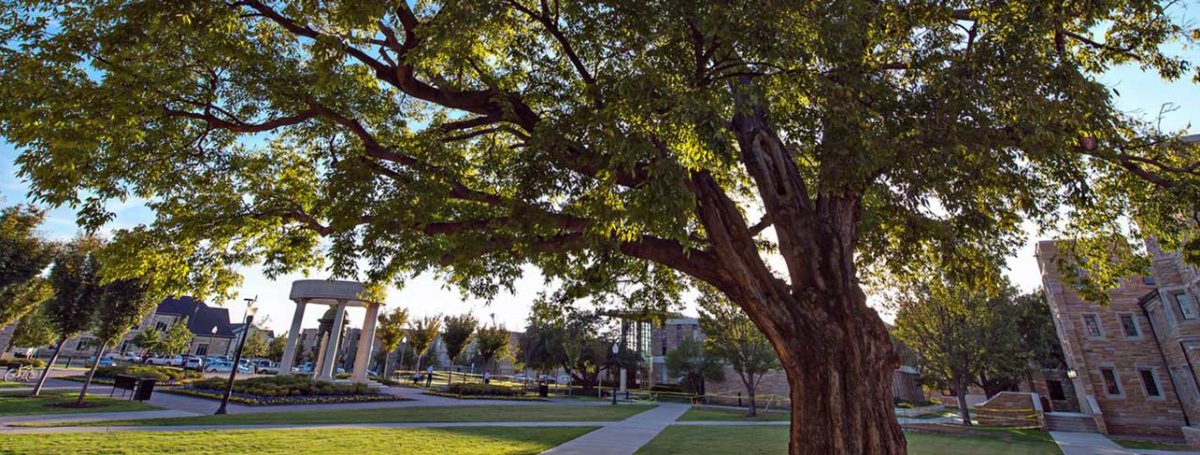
x: 318, y: 426
x: 1087, y: 444
x: 92, y: 417
x: 624, y: 437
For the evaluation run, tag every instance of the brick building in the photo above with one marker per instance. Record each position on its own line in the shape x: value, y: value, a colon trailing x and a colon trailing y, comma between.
x: 1132, y: 359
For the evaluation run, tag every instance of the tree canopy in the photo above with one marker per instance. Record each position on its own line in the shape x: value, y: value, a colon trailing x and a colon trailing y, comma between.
x: 23, y: 257
x: 390, y: 332
x: 770, y: 149
x: 458, y: 331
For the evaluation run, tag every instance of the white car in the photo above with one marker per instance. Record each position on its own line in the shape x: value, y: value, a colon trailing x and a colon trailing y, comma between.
x: 193, y: 363
x: 166, y: 360
x: 130, y: 357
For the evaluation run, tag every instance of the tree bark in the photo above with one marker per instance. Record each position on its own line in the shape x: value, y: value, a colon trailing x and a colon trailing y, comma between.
x: 91, y: 373
x: 840, y: 386
x: 960, y: 389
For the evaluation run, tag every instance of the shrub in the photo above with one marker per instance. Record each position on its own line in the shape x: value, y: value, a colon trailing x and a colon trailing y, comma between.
x: 283, y: 386
x: 161, y: 373
x: 17, y: 363
x: 467, y: 388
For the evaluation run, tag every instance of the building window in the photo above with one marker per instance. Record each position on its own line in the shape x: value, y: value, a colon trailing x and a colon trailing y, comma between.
x: 1187, y: 308
x: 202, y: 349
x: 1129, y: 326
x: 1056, y: 390
x: 1092, y: 322
x: 1111, y: 384
x: 83, y: 343
x: 1149, y: 382
x: 160, y: 326
x: 1148, y: 280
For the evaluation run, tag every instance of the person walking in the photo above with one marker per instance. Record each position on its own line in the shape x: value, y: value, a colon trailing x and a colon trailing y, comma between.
x: 429, y: 376
x: 487, y: 377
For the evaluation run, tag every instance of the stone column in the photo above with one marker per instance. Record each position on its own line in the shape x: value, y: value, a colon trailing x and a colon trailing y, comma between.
x: 289, y: 349
x: 366, y: 341
x: 335, y: 332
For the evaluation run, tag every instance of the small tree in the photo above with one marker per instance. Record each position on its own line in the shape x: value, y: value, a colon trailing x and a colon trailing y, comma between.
x: 390, y: 332
x: 965, y: 334
x: 76, y: 294
x: 541, y: 348
x: 689, y: 360
x: 491, y: 343
x: 732, y: 337
x: 178, y: 338
x: 276, y: 347
x: 149, y: 340
x: 20, y: 299
x: 123, y: 303
x: 421, y: 335
x: 458, y: 332
x: 256, y: 344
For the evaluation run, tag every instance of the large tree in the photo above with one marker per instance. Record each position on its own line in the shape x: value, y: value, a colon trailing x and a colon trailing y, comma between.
x: 689, y: 361
x: 731, y: 336
x: 492, y: 343
x: 773, y: 150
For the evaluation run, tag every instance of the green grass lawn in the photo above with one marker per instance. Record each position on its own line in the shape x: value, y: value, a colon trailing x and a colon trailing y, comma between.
x: 1151, y: 445
x: 771, y: 440
x: 11, y: 384
x: 463, y: 440
x: 695, y: 414
x: 21, y: 404
x: 532, y: 413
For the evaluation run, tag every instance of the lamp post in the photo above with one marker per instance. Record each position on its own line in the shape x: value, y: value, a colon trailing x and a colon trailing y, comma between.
x: 251, y: 308
x: 403, y: 346
x: 616, y: 349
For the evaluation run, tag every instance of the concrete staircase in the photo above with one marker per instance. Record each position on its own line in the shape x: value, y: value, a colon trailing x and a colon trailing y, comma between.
x: 1070, y: 421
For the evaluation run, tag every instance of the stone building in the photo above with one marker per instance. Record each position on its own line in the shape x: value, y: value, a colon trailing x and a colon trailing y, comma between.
x: 1131, y: 361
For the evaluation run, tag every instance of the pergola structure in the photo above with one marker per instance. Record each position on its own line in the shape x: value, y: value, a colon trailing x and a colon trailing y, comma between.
x: 339, y: 295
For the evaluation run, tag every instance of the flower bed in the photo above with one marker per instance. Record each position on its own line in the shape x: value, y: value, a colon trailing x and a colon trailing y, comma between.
x: 272, y: 390
x: 166, y: 376
x: 470, y: 388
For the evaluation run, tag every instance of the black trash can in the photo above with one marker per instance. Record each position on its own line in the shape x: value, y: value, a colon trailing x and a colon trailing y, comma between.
x: 145, y: 388
x: 543, y: 390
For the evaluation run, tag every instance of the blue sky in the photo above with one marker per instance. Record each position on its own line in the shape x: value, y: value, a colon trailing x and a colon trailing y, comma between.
x: 1141, y: 93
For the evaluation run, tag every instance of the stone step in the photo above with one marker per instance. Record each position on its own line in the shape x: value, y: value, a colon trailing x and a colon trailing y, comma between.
x: 1074, y: 423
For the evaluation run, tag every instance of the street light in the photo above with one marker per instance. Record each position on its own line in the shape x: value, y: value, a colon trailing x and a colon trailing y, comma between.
x: 403, y: 345
x: 1072, y: 374
x: 209, y: 349
x: 616, y: 349
x: 251, y: 309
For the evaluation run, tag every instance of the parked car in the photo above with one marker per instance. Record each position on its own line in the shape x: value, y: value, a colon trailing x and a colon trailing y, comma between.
x: 166, y: 360
x: 520, y: 377
x: 106, y: 361
x: 264, y: 366
x: 565, y: 379
x: 306, y: 367
x: 221, y: 366
x: 131, y: 357
x: 192, y: 362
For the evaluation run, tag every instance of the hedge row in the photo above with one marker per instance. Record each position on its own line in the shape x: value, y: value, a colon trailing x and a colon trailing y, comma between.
x: 470, y: 388
x: 17, y: 363
x: 254, y: 400
x: 161, y: 373
x: 283, y: 386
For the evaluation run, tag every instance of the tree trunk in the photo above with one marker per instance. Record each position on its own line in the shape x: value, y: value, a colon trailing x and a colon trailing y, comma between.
x: 387, y: 362
x: 753, y: 406
x: 960, y: 389
x: 91, y: 373
x: 841, y: 396
x: 37, y: 389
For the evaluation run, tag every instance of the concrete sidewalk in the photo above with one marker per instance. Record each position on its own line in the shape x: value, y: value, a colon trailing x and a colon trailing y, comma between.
x: 92, y: 417
x: 317, y: 426
x: 624, y: 437
x: 1087, y: 444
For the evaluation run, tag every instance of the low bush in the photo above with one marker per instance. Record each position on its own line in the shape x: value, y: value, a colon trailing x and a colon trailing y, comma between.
x: 676, y: 388
x: 905, y: 404
x: 161, y: 373
x: 283, y: 386
x: 468, y: 388
x: 17, y: 363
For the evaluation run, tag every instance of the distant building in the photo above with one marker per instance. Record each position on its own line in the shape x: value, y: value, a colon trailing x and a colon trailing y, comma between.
x: 201, y: 320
